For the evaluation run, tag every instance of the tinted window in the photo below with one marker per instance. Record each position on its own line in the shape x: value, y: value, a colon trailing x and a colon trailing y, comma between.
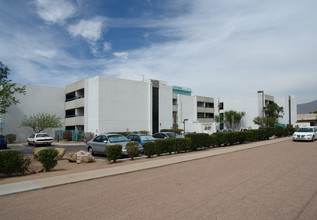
x: 98, y: 139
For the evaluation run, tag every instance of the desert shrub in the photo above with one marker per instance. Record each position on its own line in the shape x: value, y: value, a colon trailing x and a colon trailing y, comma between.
x: 212, y: 140
x: 183, y: 144
x: 221, y: 139
x: 113, y: 152
x: 290, y: 129
x: 87, y: 136
x: 160, y: 146
x: 149, y: 149
x: 279, y: 131
x: 198, y: 140
x: 67, y: 135
x: 170, y: 145
x: 13, y: 162
x: 132, y: 149
x: 252, y: 135
x: 48, y: 158
x: 11, y: 138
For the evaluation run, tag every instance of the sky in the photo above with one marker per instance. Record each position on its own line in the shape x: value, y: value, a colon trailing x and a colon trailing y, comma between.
x: 215, y: 47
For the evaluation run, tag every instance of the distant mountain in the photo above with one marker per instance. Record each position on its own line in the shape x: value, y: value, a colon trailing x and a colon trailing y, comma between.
x: 306, y: 108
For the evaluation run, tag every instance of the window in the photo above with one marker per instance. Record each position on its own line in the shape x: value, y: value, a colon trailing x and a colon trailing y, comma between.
x: 209, y: 105
x: 200, y: 104
x: 200, y: 115
x: 221, y: 106
x: 174, y: 101
x: 209, y: 115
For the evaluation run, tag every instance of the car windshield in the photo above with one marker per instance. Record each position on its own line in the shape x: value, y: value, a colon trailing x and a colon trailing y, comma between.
x: 42, y: 135
x: 305, y: 130
x: 172, y: 135
x: 147, y: 138
x: 117, y: 138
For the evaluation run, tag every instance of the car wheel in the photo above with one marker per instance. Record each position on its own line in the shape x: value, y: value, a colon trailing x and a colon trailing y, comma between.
x: 29, y: 143
x: 35, y: 145
x: 313, y: 139
x: 90, y: 150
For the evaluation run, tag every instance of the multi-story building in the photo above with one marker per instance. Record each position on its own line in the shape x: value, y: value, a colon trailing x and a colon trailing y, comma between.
x: 102, y: 104
x: 253, y: 106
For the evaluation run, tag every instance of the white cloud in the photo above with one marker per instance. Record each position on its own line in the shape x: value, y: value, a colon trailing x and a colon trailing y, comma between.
x: 121, y: 55
x: 56, y: 11
x: 107, y: 46
x: 90, y: 29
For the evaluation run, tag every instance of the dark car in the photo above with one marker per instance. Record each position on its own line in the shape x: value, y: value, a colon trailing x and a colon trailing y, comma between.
x: 141, y: 138
x: 163, y: 135
x: 3, y: 141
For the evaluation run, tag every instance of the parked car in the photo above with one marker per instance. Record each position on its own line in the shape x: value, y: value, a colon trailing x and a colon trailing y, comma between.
x: 99, y: 143
x: 141, y: 138
x: 40, y: 139
x: 163, y: 135
x: 305, y: 134
x: 3, y: 142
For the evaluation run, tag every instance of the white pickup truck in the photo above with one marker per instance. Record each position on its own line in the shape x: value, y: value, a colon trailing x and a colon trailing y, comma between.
x: 40, y: 139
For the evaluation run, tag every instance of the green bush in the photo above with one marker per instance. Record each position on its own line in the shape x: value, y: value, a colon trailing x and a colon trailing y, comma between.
x: 290, y: 129
x: 170, y: 145
x: 132, y: 149
x: 144, y: 132
x: 13, y: 162
x: 212, y: 140
x: 199, y: 140
x: 279, y: 131
x: 183, y: 144
x: 67, y: 135
x: 149, y: 149
x: 160, y: 146
x: 48, y: 158
x: 11, y: 138
x: 221, y: 139
x: 113, y: 152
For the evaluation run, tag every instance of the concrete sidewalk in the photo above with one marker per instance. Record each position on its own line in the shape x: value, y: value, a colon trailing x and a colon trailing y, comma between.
x: 23, y: 186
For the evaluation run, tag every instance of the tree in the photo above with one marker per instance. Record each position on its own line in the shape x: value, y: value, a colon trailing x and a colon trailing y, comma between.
x: 39, y: 122
x: 231, y: 119
x: 272, y: 112
x: 7, y: 90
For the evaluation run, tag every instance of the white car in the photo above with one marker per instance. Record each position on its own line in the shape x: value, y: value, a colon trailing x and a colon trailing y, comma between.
x: 305, y: 134
x: 40, y: 139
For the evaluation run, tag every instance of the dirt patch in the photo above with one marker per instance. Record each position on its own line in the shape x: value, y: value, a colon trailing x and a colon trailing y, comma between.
x: 65, y: 167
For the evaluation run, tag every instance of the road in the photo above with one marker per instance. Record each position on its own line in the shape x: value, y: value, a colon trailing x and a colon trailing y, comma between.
x: 277, y: 181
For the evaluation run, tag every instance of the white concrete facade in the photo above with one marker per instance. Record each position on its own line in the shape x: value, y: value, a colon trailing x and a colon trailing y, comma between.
x: 253, y: 105
x: 188, y: 110
x: 38, y: 99
x: 117, y: 105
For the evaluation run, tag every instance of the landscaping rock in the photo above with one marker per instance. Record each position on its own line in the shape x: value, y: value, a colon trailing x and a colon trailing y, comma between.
x: 84, y: 157
x: 72, y: 157
x: 36, y: 152
x: 61, y: 152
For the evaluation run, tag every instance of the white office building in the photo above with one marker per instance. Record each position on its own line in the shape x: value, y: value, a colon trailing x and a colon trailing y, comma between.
x: 103, y: 104
x: 253, y: 105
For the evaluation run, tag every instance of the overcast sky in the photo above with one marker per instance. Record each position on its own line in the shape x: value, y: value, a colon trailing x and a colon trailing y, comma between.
x: 215, y: 47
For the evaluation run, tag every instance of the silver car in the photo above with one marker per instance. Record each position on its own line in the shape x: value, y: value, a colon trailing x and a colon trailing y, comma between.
x: 99, y: 143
